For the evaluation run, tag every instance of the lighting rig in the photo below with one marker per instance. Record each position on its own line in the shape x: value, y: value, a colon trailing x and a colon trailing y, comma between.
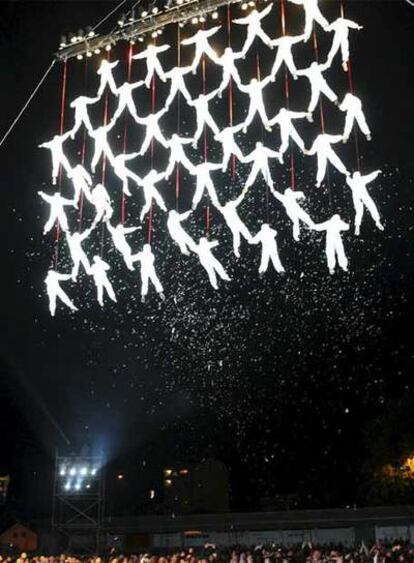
x: 133, y: 27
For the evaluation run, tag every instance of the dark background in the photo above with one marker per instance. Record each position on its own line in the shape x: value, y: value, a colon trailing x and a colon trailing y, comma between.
x: 300, y: 383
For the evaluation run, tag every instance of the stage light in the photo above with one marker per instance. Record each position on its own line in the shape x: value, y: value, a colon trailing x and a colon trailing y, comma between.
x: 73, y: 471
x: 121, y: 21
x: 90, y: 32
x: 202, y: 19
x: 132, y: 15
x: 181, y: 24
x: 72, y: 38
x: 179, y: 2
x: 214, y: 15
x: 63, y: 471
x: 120, y: 476
x: 97, y: 51
x: 155, y: 10
x: 108, y: 48
x: 252, y: 4
x: 84, y: 471
x: 244, y: 6
x: 144, y: 14
x: 154, y: 34
x: 88, y: 54
x: 140, y: 39
x: 78, y: 486
x: 79, y: 57
x: 194, y: 20
x: 67, y: 486
x: 88, y: 486
x: 62, y: 41
x: 160, y: 32
x: 81, y: 34
x: 94, y: 471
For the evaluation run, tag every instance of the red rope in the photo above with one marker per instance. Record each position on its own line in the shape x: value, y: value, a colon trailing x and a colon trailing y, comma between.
x: 230, y: 90
x: 61, y: 127
x: 177, y: 166
x: 287, y: 96
x: 130, y: 52
x: 83, y: 149
x: 153, y: 103
x: 351, y: 89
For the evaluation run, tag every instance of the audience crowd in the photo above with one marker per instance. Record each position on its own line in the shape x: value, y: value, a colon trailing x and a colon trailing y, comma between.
x: 380, y: 552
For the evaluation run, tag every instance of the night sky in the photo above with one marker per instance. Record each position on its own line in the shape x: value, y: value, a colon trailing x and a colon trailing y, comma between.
x: 281, y: 376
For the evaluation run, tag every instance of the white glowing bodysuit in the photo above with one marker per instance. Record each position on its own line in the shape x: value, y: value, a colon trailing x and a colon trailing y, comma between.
x: 147, y: 270
x: 81, y: 181
x: 118, y: 237
x: 260, y: 158
x: 353, y: 108
x: 254, y: 28
x: 122, y: 171
x: 334, y: 248
x: 226, y: 61
x: 229, y: 145
x: 152, y: 130
x: 235, y: 224
x: 340, y: 41
x: 203, y: 115
x: 267, y: 238
x: 361, y: 198
x: 54, y: 291
x: 178, y: 234
x: 102, y: 203
x: 105, y: 72
x: 57, y: 212
x: 80, y: 106
x: 287, y: 129
x: 322, y: 148
x: 289, y: 199
x: 153, y: 64
x: 98, y: 271
x: 177, y: 154
x: 58, y: 156
x: 176, y: 75
x: 102, y: 146
x: 312, y: 13
x: 200, y: 41
x: 204, y: 181
x: 284, y: 54
x: 125, y: 100
x: 255, y: 91
x: 318, y: 85
x: 76, y: 251
x: 150, y: 191
x: 210, y: 262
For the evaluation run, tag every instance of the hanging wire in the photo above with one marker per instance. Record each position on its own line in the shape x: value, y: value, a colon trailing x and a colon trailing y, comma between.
x: 130, y: 52
x: 25, y: 106
x: 103, y: 20
x: 287, y: 95
x: 83, y: 150
x: 177, y: 166
x: 153, y: 103
x: 61, y: 127
x: 322, y: 116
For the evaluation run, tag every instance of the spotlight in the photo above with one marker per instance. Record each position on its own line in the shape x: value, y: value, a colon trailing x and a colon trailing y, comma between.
x: 132, y: 15
x: 97, y: 51
x: 154, y: 34
x: 194, y: 20
x: 67, y: 486
x: 72, y: 38
x: 84, y: 471
x: 63, y: 470
x: 90, y: 32
x: 160, y: 32
x: 214, y: 15
x: 78, y: 486
x: 81, y: 34
x: 94, y: 471
x: 89, y: 54
x: 120, y: 476
x: 144, y: 14
x: 63, y: 41
x: 202, y: 19
x: 73, y: 469
x: 108, y: 48
x: 181, y: 24
x: 155, y: 10
x: 252, y: 4
x: 122, y: 20
x: 88, y: 486
x: 244, y: 6
x: 179, y: 2
x: 131, y: 42
x: 141, y: 39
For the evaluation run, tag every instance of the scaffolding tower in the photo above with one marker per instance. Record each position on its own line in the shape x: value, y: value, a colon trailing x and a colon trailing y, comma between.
x: 78, y: 503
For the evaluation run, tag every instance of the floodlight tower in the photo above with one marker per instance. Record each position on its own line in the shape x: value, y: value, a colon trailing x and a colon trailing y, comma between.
x: 78, y: 502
